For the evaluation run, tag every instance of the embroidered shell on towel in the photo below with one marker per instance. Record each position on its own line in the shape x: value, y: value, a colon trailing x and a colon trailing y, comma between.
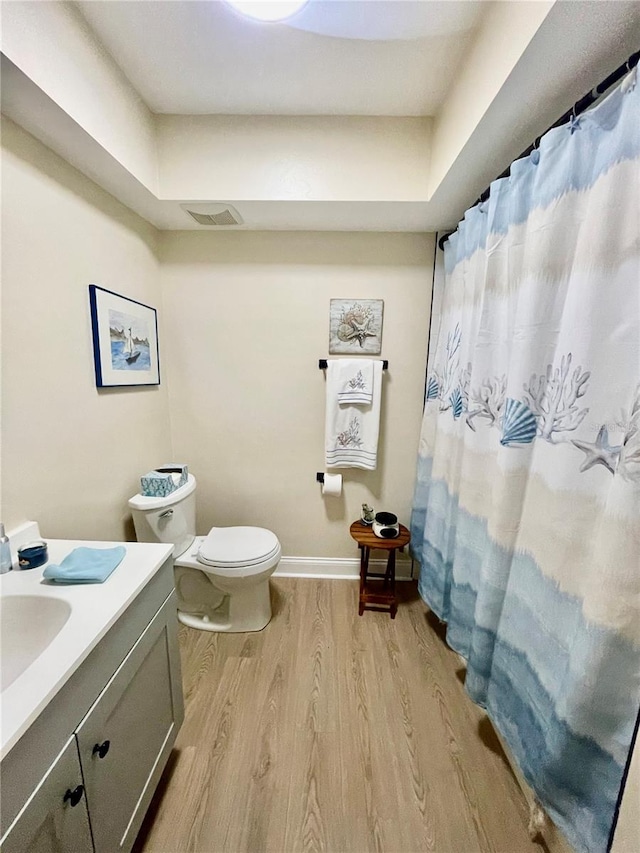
x: 519, y: 425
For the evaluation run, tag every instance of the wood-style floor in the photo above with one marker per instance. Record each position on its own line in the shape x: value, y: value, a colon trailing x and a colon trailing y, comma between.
x: 333, y: 732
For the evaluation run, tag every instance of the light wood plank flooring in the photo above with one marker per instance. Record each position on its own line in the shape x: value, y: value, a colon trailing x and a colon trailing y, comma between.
x: 333, y: 732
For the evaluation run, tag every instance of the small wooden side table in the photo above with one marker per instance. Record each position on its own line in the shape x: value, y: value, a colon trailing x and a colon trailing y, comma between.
x: 367, y: 540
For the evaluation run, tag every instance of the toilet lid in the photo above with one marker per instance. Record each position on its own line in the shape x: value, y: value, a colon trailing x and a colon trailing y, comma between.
x: 229, y: 547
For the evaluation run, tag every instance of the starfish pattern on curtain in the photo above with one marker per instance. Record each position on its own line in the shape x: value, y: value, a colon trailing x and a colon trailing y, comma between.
x: 526, y: 518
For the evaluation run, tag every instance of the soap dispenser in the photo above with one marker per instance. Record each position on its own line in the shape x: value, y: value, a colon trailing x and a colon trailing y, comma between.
x: 5, y: 551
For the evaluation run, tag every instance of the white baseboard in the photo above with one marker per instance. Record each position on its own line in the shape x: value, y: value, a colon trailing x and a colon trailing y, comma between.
x: 335, y: 568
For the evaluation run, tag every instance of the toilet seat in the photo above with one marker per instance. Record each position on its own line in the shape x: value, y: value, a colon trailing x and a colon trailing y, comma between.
x: 239, y: 551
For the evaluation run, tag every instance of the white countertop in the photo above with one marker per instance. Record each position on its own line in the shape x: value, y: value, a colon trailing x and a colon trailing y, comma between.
x: 94, y: 609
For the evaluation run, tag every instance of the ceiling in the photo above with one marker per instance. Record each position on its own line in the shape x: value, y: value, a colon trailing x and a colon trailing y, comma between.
x: 373, y: 115
x: 342, y: 57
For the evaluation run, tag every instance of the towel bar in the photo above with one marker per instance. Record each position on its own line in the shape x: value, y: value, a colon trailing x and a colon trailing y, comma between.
x: 322, y: 364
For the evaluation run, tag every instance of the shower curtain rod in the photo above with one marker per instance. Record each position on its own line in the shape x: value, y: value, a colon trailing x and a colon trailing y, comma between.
x: 579, y: 107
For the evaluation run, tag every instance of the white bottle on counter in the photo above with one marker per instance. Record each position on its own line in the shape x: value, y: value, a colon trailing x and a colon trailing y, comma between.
x: 5, y: 551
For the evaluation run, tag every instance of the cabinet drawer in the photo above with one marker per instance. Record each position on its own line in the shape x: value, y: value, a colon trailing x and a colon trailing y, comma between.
x: 55, y: 817
x: 126, y: 736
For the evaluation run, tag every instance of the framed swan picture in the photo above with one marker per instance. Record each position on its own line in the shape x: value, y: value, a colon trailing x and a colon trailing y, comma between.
x: 125, y: 340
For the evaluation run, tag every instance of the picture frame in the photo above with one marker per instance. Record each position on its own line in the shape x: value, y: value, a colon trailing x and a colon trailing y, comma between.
x: 125, y: 340
x: 355, y: 326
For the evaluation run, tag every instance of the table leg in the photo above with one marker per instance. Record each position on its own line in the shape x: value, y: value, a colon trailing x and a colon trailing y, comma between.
x: 364, y: 566
x: 390, y: 580
x: 390, y: 574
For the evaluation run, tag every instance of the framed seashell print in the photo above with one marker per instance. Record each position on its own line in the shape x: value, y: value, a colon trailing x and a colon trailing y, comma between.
x: 355, y: 326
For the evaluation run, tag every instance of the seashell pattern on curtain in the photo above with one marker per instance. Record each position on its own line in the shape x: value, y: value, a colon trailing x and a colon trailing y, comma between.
x: 526, y: 518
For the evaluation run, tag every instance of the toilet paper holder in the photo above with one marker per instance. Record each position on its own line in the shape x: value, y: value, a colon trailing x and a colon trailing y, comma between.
x: 331, y: 484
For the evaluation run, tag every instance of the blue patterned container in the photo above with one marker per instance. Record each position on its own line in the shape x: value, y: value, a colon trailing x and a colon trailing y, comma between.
x: 162, y: 481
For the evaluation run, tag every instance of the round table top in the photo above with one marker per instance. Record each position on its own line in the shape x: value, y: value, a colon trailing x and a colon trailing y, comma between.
x: 364, y: 535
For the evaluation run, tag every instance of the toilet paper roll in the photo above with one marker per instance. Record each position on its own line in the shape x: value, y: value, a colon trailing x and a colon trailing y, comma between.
x: 332, y: 486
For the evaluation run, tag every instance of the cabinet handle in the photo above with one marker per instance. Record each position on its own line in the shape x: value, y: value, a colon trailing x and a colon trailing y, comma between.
x: 74, y: 796
x: 101, y: 749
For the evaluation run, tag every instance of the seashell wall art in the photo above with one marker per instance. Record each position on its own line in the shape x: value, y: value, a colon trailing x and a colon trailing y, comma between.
x: 355, y: 326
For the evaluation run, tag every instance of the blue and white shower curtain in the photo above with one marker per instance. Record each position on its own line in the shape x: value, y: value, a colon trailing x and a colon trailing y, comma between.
x: 526, y: 517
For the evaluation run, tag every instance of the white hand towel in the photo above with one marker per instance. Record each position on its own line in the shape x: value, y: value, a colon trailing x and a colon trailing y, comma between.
x: 351, y: 432
x: 354, y: 377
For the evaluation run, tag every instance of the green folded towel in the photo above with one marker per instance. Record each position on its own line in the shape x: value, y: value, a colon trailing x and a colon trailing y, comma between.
x: 86, y: 565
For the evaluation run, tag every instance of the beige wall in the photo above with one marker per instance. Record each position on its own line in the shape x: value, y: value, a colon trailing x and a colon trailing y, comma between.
x: 342, y: 158
x: 53, y: 45
x: 505, y: 32
x: 71, y: 455
x: 246, y: 318
x: 243, y: 321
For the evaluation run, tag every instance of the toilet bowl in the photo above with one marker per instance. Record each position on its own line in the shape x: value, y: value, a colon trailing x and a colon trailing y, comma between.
x: 222, y: 579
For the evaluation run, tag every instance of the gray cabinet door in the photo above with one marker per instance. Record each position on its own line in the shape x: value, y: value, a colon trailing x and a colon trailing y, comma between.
x: 127, y: 735
x: 54, y: 819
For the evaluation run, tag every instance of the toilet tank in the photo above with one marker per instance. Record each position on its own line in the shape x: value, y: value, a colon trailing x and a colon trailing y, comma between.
x: 171, y: 519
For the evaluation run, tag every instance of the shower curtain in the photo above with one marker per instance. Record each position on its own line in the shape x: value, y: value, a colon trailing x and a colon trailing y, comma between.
x: 526, y: 518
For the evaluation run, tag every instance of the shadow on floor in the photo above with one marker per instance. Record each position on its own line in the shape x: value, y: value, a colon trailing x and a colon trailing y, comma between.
x: 156, y: 802
x: 439, y: 628
x: 490, y: 739
x: 277, y: 599
x: 406, y: 592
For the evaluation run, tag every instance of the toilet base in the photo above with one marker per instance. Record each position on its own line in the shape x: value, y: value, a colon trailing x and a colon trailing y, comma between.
x: 247, y: 609
x: 204, y: 623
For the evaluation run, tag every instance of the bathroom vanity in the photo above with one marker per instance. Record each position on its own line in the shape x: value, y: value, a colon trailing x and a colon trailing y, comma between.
x: 91, y: 702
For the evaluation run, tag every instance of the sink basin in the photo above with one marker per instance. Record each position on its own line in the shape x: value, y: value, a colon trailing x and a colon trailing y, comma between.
x: 28, y: 623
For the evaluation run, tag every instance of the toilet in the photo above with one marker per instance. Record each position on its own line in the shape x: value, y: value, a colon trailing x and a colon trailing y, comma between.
x: 222, y: 579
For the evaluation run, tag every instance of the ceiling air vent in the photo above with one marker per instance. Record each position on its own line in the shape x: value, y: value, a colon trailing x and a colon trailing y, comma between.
x: 215, y: 215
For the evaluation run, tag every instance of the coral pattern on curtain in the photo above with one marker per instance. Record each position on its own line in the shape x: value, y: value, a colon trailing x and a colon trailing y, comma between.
x: 526, y: 517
